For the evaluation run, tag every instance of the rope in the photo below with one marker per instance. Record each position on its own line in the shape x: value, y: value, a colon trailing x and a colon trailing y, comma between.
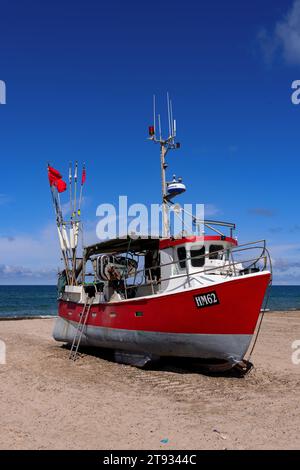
x: 261, y: 320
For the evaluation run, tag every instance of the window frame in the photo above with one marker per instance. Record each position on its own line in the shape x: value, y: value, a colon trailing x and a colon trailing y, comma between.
x: 181, y: 260
x: 201, y: 252
x: 216, y: 256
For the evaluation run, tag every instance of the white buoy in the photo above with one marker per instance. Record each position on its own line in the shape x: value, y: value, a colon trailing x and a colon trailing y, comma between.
x: 65, y: 237
x: 74, y: 231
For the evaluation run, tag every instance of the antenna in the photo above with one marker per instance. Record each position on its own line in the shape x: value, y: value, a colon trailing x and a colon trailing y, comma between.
x: 159, y: 127
x: 171, y: 118
x: 169, y: 115
x: 155, y: 130
x: 166, y: 144
x: 154, y: 115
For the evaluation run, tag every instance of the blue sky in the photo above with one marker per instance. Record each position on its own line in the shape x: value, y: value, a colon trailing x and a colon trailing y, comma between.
x: 80, y: 77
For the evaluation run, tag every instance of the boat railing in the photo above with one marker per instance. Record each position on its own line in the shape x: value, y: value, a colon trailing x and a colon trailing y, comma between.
x: 230, y: 267
x: 212, y: 224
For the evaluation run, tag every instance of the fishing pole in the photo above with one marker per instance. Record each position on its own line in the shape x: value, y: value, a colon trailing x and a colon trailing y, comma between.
x: 59, y: 222
x: 70, y: 187
x: 74, y: 226
x: 83, y: 178
x: 75, y: 189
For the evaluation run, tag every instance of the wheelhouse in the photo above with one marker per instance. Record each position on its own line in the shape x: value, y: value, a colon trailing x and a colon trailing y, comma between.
x: 194, y: 253
x: 127, y: 268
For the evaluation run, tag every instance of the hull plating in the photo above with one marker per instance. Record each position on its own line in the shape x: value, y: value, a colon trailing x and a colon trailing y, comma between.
x: 230, y: 348
x: 174, y: 324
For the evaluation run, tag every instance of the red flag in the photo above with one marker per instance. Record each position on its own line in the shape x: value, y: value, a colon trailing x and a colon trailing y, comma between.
x: 54, y: 172
x: 83, y: 177
x: 55, y: 179
x: 53, y: 175
x: 61, y: 185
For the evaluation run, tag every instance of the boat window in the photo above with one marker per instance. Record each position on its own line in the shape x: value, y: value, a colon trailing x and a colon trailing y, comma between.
x: 181, y: 253
x: 214, y: 248
x: 196, y: 260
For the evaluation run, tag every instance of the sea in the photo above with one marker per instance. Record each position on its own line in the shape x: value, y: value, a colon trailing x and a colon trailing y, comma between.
x: 41, y: 301
x: 28, y: 301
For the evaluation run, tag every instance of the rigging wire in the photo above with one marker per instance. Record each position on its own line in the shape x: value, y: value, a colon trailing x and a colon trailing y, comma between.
x: 261, y: 320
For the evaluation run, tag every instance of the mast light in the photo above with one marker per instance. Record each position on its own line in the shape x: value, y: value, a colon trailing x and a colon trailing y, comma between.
x: 151, y: 131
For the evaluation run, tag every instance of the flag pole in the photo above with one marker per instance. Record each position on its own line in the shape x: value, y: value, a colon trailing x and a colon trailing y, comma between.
x: 75, y: 188
x: 63, y: 232
x: 60, y: 209
x: 81, y: 189
x: 70, y: 187
x: 54, y: 200
x: 59, y: 222
x: 74, y: 226
x: 61, y: 239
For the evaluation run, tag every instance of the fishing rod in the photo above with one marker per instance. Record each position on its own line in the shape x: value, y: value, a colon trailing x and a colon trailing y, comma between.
x: 74, y: 226
x: 70, y: 188
x: 75, y: 189
x: 61, y: 229
x: 68, y: 246
x: 83, y: 178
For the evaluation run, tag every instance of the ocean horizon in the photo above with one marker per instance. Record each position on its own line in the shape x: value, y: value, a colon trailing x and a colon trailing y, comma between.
x: 39, y: 301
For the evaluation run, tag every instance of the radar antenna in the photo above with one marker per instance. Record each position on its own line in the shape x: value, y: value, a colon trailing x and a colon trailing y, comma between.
x: 166, y: 144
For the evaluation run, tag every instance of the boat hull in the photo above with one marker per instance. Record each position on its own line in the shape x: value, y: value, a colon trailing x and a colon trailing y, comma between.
x: 174, y: 324
x: 229, y: 348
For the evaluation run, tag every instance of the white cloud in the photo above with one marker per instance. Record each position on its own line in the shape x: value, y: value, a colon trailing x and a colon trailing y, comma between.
x: 286, y: 263
x: 8, y: 272
x: 288, y: 33
x: 33, y: 251
x: 29, y: 259
x: 285, y: 37
x: 35, y: 259
x: 285, y: 249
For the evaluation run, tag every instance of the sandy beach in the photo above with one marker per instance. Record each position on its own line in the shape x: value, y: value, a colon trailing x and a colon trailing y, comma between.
x: 48, y: 402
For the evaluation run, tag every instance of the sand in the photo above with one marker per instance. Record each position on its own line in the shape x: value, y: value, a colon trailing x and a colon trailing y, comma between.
x: 48, y: 402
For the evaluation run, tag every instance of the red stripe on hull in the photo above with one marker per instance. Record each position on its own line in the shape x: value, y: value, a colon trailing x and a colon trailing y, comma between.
x: 237, y: 313
x: 179, y: 241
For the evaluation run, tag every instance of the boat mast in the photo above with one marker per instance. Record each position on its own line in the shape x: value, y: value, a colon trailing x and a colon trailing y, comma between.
x: 165, y: 207
x: 166, y: 144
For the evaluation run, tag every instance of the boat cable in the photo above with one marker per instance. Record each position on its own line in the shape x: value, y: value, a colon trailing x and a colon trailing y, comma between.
x: 261, y: 320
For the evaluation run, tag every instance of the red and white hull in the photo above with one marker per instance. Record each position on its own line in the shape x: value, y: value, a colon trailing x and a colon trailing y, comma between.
x: 214, y: 322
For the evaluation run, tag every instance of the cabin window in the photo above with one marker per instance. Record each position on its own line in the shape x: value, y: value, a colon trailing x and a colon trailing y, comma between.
x: 214, y: 248
x: 181, y: 253
x: 197, y: 257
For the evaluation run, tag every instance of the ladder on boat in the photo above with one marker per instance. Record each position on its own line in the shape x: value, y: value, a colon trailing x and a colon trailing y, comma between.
x: 80, y: 327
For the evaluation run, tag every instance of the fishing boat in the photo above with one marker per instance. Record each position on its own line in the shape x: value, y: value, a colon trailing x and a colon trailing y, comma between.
x: 196, y: 296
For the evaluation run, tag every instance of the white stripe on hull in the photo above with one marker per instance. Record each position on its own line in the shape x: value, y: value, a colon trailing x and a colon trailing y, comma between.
x: 228, y: 347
